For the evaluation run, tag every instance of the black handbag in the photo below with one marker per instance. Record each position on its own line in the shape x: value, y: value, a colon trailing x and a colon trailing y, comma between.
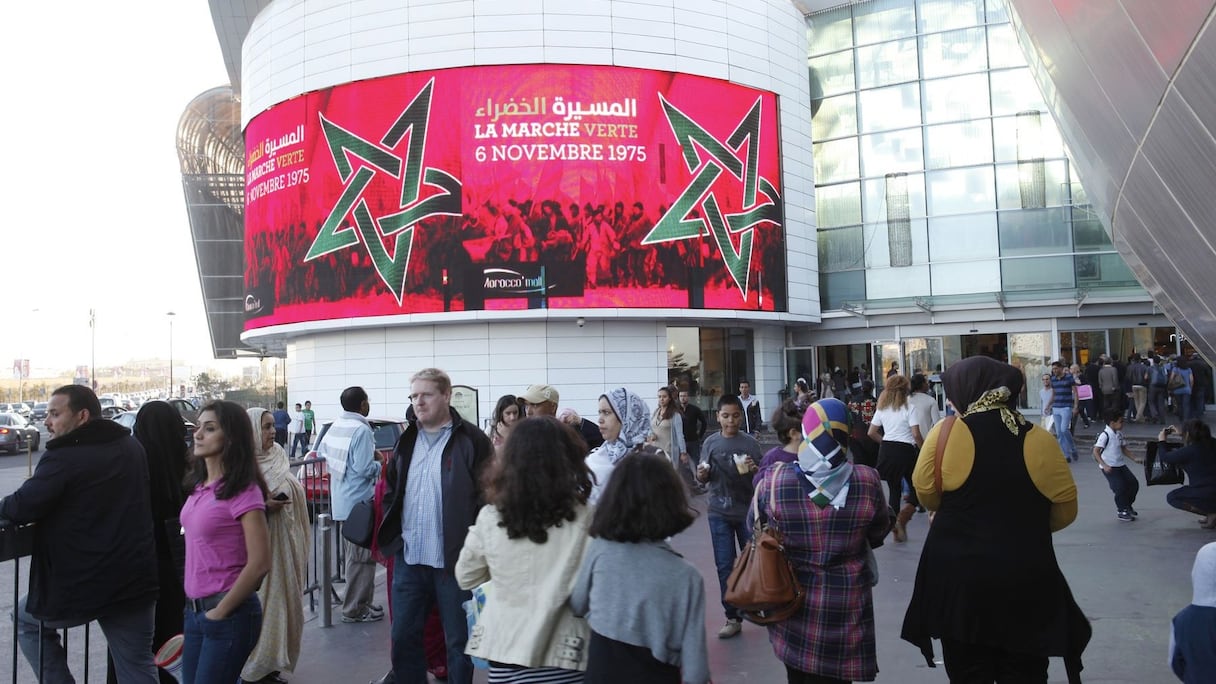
x: 360, y: 526
x: 1158, y: 473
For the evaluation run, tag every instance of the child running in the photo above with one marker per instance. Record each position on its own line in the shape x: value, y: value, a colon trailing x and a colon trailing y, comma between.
x: 1110, y: 451
x: 644, y: 602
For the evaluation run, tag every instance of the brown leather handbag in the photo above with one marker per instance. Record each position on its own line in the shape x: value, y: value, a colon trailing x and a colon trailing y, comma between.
x: 762, y: 586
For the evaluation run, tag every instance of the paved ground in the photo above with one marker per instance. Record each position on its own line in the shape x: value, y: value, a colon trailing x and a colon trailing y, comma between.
x: 1129, y: 578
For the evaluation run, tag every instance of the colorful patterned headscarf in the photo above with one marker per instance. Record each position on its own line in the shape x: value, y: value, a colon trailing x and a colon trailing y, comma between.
x: 634, y: 415
x: 823, y: 455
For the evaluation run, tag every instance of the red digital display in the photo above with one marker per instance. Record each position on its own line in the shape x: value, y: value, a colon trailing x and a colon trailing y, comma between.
x: 510, y: 187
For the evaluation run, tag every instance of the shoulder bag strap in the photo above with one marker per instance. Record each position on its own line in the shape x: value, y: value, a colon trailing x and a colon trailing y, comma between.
x: 943, y: 435
x: 756, y: 525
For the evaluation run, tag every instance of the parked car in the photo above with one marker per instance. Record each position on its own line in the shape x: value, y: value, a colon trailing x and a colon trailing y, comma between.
x: 188, y: 410
x: 16, y: 407
x: 314, y: 476
x: 39, y: 412
x: 112, y: 411
x: 127, y: 420
x: 17, y: 434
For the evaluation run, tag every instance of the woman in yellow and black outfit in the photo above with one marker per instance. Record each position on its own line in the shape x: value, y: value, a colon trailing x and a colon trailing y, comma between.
x: 988, y: 584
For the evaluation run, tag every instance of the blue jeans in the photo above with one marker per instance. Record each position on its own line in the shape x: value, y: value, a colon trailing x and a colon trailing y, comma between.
x: 298, y: 439
x: 1124, y: 485
x: 1185, y: 408
x: 727, y: 536
x: 1062, y: 417
x: 128, y: 634
x: 214, y: 651
x: 415, y: 587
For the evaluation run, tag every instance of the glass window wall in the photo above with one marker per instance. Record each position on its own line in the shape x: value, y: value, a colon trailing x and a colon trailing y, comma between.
x: 1037, y: 231
x: 1009, y: 135
x: 959, y: 98
x: 1032, y: 184
x: 835, y: 160
x: 961, y: 238
x: 958, y: 144
x: 831, y: 30
x: 954, y: 52
x: 966, y: 277
x: 890, y: 108
x: 1088, y: 233
x: 835, y: 72
x: 877, y: 238
x: 841, y: 249
x: 876, y: 201
x: 838, y: 205
x: 960, y: 191
x: 882, y: 20
x: 985, y: 189
x: 837, y: 288
x: 890, y: 283
x: 835, y: 118
x: 1003, y: 50
x: 943, y: 15
x: 1037, y: 273
x: 891, y: 152
x: 887, y: 63
x: 1013, y: 91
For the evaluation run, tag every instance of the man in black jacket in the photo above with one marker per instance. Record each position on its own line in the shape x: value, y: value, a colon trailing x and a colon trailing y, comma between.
x: 695, y: 426
x: 94, y: 557
x: 433, y: 496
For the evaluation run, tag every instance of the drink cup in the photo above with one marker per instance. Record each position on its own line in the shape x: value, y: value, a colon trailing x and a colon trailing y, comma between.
x: 741, y: 464
x: 703, y: 469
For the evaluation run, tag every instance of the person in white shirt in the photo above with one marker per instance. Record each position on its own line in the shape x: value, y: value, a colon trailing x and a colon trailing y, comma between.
x: 924, y: 405
x: 900, y: 434
x: 1110, y: 451
x: 295, y: 433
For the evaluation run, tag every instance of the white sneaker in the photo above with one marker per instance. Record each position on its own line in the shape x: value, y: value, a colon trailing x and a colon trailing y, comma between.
x: 730, y: 629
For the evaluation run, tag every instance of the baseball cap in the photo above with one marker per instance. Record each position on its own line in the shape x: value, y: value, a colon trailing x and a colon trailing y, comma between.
x: 539, y: 394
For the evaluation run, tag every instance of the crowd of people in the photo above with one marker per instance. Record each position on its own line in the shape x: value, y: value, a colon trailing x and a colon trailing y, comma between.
x: 562, y: 525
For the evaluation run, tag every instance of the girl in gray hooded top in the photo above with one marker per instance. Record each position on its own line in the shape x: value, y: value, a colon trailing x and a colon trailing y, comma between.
x: 645, y: 604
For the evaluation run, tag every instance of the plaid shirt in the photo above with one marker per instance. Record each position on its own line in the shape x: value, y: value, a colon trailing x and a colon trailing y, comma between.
x: 833, y: 636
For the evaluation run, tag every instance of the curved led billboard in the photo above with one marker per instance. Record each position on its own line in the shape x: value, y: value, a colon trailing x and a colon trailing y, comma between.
x: 510, y: 187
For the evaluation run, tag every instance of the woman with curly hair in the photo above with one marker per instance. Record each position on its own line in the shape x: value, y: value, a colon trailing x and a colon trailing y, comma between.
x: 898, y: 447
x: 530, y: 541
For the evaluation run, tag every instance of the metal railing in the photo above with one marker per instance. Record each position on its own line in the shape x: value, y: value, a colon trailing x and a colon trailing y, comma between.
x: 326, y: 564
x: 17, y: 542
x: 325, y: 568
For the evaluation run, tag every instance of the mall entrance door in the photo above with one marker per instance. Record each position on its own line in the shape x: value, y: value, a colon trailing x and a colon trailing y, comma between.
x: 992, y: 345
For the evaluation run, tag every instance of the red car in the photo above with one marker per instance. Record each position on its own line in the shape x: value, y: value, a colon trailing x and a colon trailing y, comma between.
x: 315, y: 478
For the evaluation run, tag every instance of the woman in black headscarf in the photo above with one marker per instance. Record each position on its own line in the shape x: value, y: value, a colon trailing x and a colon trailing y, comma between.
x: 988, y: 584
x: 162, y: 432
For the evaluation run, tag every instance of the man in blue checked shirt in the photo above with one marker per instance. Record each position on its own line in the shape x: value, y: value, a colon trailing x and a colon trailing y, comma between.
x: 433, y: 495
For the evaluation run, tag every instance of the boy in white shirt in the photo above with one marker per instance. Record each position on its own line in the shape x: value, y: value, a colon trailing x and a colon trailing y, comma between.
x: 1110, y: 451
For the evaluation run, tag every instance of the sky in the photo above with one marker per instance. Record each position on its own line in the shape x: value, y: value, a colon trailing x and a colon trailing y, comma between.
x: 96, y: 216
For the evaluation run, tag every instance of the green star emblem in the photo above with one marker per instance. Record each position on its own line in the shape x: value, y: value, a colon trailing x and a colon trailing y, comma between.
x: 379, y: 157
x: 701, y: 150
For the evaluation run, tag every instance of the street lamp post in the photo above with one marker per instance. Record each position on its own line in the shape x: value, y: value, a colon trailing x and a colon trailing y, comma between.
x: 170, y: 315
x: 92, y: 350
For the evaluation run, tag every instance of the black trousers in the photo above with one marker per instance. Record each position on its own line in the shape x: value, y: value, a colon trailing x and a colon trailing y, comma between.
x: 976, y: 664
x: 896, y: 461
